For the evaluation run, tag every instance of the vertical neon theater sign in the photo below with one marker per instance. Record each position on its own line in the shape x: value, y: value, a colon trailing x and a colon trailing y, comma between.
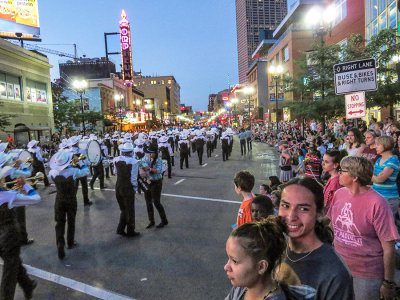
x: 126, y: 49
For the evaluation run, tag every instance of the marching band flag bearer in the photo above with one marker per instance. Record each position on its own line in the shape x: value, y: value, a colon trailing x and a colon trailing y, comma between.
x: 64, y: 176
x: 10, y: 244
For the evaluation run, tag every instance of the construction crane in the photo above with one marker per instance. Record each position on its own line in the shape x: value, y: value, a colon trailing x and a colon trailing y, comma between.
x: 55, y: 52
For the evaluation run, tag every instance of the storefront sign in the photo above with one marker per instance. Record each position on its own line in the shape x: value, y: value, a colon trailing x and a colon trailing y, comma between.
x: 126, y: 48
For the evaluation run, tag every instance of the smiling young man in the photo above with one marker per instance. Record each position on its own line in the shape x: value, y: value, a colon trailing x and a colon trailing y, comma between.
x: 309, y: 253
x: 365, y: 232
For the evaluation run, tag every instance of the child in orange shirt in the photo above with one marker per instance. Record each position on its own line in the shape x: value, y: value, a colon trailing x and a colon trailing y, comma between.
x: 244, y: 183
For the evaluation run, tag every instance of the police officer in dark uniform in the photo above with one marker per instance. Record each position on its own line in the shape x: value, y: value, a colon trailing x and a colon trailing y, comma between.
x: 126, y: 167
x: 64, y: 173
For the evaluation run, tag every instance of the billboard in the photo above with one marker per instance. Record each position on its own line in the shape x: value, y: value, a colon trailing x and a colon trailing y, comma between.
x: 126, y: 50
x: 19, y: 19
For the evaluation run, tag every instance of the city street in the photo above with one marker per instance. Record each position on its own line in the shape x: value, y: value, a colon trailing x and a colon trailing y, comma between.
x: 184, y: 260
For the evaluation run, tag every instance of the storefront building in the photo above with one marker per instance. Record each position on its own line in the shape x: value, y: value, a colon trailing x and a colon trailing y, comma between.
x: 25, y: 94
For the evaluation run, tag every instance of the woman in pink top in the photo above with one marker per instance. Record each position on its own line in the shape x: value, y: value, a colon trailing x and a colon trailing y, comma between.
x: 365, y: 232
x: 331, y: 165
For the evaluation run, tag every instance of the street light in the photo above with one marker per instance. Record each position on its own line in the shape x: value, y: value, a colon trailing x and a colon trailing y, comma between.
x: 321, y: 21
x: 248, y: 90
x: 119, y: 97
x: 80, y: 87
x: 275, y: 74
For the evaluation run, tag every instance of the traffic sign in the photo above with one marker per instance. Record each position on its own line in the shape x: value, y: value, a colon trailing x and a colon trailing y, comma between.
x: 355, y: 76
x: 355, y: 105
x: 273, y: 100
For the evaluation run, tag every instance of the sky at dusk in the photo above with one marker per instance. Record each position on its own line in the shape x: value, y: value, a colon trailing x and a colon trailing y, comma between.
x: 195, y: 41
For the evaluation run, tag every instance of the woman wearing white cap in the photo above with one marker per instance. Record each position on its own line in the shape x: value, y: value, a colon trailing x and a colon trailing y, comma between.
x: 64, y: 176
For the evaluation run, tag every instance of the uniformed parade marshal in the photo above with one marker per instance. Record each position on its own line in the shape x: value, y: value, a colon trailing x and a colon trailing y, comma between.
x: 126, y: 168
x: 64, y: 176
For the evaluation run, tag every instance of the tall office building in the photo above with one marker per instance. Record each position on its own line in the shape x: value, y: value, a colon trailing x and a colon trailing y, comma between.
x: 255, y: 20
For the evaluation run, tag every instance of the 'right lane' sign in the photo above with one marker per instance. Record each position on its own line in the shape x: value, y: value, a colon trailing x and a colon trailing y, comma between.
x: 355, y: 76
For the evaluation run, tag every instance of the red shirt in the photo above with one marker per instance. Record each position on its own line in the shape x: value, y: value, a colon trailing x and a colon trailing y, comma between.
x: 10, y: 139
x: 244, y: 213
x: 371, y: 154
x: 329, y: 191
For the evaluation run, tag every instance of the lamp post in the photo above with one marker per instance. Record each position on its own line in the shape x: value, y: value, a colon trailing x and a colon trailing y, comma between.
x: 275, y: 74
x: 119, y: 97
x: 321, y: 21
x: 248, y: 90
x: 80, y: 87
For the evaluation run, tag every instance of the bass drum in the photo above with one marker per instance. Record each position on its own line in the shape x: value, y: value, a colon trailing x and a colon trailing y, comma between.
x: 93, y: 153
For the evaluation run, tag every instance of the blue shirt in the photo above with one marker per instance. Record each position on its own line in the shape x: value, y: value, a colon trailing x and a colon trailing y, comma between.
x: 242, y: 136
x: 387, y: 189
x: 146, y: 161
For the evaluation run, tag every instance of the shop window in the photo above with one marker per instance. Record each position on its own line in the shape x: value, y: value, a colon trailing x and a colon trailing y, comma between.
x: 10, y: 87
x: 286, y: 54
x: 36, y: 92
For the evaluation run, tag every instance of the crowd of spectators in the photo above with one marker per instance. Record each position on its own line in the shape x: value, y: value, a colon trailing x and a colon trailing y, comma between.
x: 338, y: 194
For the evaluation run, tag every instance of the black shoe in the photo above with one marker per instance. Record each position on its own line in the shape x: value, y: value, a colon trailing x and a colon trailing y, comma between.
x: 151, y: 224
x: 162, y: 224
x: 169, y: 176
x: 108, y: 177
x: 103, y: 187
x: 73, y: 245
x: 133, y: 234
x: 88, y: 203
x: 28, y: 242
x: 91, y: 186
x: 123, y: 233
x: 29, y: 294
x: 61, y: 252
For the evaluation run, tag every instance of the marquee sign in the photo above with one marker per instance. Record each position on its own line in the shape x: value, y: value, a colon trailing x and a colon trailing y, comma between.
x: 126, y: 48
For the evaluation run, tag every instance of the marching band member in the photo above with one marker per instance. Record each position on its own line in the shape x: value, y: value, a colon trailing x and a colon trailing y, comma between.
x: 73, y: 143
x: 115, y: 139
x: 13, y: 270
x: 38, y: 160
x: 166, y: 152
x: 98, y: 171
x: 184, y: 150
x: 126, y: 167
x: 107, y: 142
x: 64, y: 176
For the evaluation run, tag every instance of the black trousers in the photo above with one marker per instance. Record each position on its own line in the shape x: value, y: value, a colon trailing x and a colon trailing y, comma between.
x: 153, y: 196
x: 249, y: 146
x: 169, y: 167
x: 184, y: 158
x: 116, y: 150
x: 84, y: 183
x: 225, y: 152
x: 21, y: 223
x: 108, y: 170
x: 98, y: 171
x: 200, y: 154
x: 126, y: 202
x: 243, y: 146
x: 209, y: 150
x: 40, y: 168
x: 13, y: 271
x: 65, y: 211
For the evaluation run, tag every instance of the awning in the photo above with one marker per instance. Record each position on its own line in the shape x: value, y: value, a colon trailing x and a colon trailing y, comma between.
x: 23, y: 128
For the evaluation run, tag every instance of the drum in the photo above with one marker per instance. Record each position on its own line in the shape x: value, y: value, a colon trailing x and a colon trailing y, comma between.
x: 22, y: 155
x: 83, y: 144
x: 93, y: 153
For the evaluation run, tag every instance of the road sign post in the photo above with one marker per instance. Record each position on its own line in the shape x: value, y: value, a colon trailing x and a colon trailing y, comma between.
x: 355, y: 76
x: 355, y: 105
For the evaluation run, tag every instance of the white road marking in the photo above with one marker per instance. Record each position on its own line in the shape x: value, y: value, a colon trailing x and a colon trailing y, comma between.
x: 75, y: 285
x: 203, y: 199
x: 178, y: 182
x: 204, y: 165
x: 216, y: 155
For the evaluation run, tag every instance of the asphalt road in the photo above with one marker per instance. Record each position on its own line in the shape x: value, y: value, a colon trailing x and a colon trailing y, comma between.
x: 184, y: 260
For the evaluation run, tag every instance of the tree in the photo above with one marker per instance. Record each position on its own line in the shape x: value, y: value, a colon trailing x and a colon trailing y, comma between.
x: 92, y: 117
x: 65, y: 112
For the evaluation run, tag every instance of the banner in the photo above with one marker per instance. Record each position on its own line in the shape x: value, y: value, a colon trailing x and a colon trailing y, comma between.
x: 19, y: 19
